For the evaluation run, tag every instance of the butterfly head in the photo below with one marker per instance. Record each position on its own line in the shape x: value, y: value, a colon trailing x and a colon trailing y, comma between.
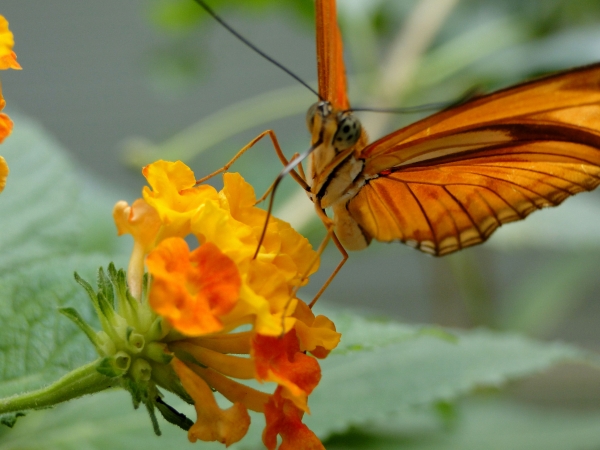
x: 343, y: 127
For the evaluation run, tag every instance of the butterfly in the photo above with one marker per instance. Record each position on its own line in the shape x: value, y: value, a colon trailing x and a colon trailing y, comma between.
x: 448, y: 181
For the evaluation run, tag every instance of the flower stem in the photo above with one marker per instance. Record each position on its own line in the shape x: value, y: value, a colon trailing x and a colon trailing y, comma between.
x: 81, y: 381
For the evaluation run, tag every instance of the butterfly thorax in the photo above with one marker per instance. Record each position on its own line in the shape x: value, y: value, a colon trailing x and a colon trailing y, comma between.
x: 333, y: 167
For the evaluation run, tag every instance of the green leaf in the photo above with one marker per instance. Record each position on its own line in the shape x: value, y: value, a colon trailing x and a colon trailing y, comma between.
x: 183, y: 15
x: 37, y: 207
x: 491, y: 424
x: 362, y: 333
x: 176, y: 15
x: 102, y: 421
x: 9, y: 419
x: 108, y: 420
x: 420, y: 371
x: 37, y: 344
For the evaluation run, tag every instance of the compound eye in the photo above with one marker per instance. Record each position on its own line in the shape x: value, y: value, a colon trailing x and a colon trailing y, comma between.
x: 348, y: 132
x: 322, y: 109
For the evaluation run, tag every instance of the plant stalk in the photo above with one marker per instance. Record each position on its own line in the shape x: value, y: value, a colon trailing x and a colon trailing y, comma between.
x: 81, y: 381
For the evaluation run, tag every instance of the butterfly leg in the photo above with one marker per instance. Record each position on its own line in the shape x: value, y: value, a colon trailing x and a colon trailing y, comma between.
x: 247, y: 147
x: 301, y: 181
x: 329, y: 225
x: 320, y: 250
x: 335, y: 271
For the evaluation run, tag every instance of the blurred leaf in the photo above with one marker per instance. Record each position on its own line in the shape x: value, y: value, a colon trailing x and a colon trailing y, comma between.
x: 176, y: 15
x: 37, y: 207
x: 39, y: 215
x: 99, y: 231
x: 103, y: 421
x: 361, y: 333
x: 408, y: 385
x: 37, y: 344
x: 107, y: 420
x: 420, y: 371
x: 489, y: 424
x: 183, y: 15
x: 46, y: 208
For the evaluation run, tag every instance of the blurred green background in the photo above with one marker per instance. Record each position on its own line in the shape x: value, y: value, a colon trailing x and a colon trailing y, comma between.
x: 119, y: 83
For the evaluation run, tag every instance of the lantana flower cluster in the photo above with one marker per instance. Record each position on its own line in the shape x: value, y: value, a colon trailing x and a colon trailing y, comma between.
x: 8, y: 60
x: 229, y: 303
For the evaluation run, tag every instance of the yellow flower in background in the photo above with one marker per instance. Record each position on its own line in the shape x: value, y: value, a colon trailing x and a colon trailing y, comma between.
x: 6, y: 124
x: 8, y: 58
x: 3, y: 173
x: 232, y: 309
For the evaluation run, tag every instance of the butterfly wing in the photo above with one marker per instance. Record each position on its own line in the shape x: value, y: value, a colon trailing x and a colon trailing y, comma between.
x: 330, y: 62
x: 448, y: 181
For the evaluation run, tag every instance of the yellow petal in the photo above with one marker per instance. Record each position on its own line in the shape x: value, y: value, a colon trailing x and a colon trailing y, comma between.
x: 3, y: 173
x: 8, y: 58
x: 174, y: 196
x: 214, y: 224
x: 316, y: 334
x: 140, y: 220
x: 282, y: 246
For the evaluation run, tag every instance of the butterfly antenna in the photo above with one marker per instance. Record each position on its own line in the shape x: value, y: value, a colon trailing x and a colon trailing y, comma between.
x: 469, y: 95
x: 254, y: 47
x: 286, y: 170
x: 406, y: 110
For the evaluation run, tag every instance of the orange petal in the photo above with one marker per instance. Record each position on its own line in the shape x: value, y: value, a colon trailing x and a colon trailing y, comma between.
x: 6, y: 124
x: 285, y: 419
x: 280, y: 360
x: 192, y: 290
x: 213, y: 423
x: 9, y: 61
x: 3, y: 173
x: 217, y: 277
x: 233, y: 391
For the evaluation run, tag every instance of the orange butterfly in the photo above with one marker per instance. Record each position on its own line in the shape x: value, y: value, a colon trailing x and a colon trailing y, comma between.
x: 448, y: 181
